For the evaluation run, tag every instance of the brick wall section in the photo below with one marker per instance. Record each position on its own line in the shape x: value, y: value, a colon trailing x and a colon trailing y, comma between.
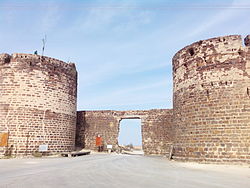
x: 156, y: 128
x: 91, y: 123
x: 37, y: 103
x: 212, y: 101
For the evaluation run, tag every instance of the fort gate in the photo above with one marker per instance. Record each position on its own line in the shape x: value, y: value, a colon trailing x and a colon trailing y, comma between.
x: 155, y: 124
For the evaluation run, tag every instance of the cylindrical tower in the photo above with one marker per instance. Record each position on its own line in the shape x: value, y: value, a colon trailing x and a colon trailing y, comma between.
x: 37, y: 103
x: 212, y: 100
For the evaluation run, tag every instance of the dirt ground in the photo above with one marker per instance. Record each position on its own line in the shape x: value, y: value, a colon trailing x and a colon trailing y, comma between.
x: 116, y: 170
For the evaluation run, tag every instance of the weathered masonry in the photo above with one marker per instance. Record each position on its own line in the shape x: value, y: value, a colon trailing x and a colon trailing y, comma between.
x: 156, y: 128
x: 210, y: 119
x: 212, y: 100
x: 37, y: 104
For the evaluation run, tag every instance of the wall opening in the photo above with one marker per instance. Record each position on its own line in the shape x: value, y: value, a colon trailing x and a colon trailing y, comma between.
x: 191, y: 51
x: 130, y: 133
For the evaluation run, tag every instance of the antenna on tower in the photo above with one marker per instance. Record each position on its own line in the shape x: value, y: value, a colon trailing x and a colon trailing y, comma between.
x: 44, y: 42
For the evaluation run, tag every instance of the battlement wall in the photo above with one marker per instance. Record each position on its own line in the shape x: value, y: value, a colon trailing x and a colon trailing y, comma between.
x: 37, y: 103
x: 208, y: 59
x: 211, y: 100
x: 33, y: 61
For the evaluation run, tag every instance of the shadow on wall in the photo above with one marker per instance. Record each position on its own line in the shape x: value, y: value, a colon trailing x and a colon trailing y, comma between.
x: 80, y: 130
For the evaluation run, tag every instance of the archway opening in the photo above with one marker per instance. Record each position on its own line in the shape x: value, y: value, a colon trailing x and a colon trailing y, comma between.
x: 130, y: 135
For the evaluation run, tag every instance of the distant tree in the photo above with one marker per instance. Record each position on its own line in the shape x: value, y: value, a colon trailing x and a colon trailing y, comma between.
x: 130, y: 146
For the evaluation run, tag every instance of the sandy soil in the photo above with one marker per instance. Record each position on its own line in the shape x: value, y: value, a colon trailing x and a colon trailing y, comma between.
x: 112, y: 170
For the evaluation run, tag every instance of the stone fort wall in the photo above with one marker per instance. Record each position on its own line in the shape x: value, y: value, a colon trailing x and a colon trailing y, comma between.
x: 212, y: 100
x: 37, y: 103
x: 210, y: 119
x: 155, y: 124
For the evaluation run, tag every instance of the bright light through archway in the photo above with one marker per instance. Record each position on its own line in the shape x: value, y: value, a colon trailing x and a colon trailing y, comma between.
x: 130, y: 132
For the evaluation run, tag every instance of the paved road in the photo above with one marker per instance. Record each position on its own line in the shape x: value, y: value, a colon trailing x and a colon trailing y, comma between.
x: 99, y: 170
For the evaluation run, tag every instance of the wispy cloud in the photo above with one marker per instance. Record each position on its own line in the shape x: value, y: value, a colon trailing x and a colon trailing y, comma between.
x: 50, y: 17
x: 145, y: 94
x: 122, y: 49
x: 93, y: 19
x: 107, y: 71
x: 217, y: 19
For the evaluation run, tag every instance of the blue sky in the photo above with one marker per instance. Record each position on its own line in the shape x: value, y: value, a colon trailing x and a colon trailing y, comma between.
x: 122, y: 49
x: 130, y: 132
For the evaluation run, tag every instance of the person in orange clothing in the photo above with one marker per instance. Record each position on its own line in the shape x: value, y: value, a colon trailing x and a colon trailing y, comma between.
x: 98, y: 142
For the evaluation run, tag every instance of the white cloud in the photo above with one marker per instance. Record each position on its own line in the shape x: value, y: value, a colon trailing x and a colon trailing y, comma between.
x: 226, y: 14
x: 113, y: 17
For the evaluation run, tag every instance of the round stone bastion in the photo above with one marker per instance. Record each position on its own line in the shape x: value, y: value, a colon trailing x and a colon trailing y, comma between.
x: 37, y: 104
x: 211, y: 101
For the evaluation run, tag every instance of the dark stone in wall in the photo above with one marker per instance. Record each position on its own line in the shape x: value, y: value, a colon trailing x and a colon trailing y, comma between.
x: 247, y: 40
